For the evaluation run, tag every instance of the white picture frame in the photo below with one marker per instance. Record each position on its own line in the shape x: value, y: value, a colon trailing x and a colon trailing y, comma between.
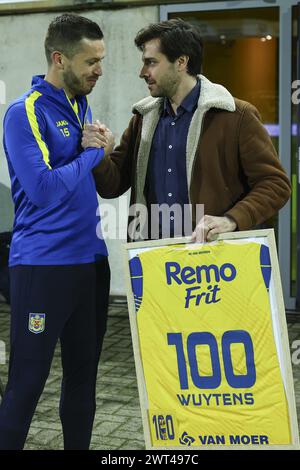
x: 279, y: 330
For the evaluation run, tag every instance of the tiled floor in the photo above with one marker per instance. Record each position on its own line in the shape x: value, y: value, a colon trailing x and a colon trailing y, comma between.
x: 118, y: 423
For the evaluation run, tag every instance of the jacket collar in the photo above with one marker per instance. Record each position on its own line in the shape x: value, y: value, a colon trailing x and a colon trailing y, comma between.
x: 212, y: 96
x: 189, y: 103
x: 40, y: 84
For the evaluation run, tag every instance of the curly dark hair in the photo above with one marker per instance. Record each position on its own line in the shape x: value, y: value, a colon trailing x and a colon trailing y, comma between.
x: 177, y: 37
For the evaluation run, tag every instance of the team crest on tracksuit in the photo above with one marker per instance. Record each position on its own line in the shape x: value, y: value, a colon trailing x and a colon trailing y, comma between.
x: 37, y: 322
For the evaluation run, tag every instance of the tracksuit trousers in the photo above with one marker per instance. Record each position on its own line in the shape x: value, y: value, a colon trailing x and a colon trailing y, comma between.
x: 48, y: 303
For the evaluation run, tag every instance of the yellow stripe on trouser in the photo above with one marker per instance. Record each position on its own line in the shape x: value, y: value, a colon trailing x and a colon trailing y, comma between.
x: 29, y: 106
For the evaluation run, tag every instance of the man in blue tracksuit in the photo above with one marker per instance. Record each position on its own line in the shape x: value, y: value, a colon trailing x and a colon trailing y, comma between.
x: 58, y: 265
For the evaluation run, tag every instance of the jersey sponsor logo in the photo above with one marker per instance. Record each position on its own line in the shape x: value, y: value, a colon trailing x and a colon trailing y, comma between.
x: 62, y: 123
x: 37, y: 322
x: 186, y: 440
x: 202, y: 282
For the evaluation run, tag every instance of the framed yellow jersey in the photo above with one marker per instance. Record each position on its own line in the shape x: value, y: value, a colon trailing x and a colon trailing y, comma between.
x: 210, y: 342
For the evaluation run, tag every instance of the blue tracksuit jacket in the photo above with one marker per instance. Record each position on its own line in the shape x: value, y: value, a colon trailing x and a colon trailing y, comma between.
x: 56, y: 207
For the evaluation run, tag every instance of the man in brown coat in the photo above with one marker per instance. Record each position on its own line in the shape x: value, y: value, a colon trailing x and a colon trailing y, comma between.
x: 191, y: 143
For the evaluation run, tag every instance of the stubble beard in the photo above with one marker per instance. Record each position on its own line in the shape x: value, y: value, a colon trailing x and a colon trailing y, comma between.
x: 167, y: 88
x: 73, y: 84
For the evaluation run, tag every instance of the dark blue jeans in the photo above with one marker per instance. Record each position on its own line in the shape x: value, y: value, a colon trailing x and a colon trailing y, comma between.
x: 50, y: 303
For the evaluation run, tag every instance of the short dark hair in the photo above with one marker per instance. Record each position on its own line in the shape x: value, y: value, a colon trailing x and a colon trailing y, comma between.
x: 177, y: 37
x: 66, y: 31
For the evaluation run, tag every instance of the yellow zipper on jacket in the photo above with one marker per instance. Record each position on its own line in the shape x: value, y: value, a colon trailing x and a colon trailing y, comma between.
x: 75, y: 109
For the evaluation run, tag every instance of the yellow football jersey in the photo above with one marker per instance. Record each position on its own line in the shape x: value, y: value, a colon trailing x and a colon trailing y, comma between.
x: 207, y: 346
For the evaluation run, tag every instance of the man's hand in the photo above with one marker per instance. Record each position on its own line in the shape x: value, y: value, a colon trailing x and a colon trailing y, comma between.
x: 93, y: 137
x: 110, y: 142
x: 98, y: 135
x: 211, y: 225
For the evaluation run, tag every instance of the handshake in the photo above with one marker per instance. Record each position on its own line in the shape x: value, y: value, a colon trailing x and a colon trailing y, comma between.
x: 98, y: 135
